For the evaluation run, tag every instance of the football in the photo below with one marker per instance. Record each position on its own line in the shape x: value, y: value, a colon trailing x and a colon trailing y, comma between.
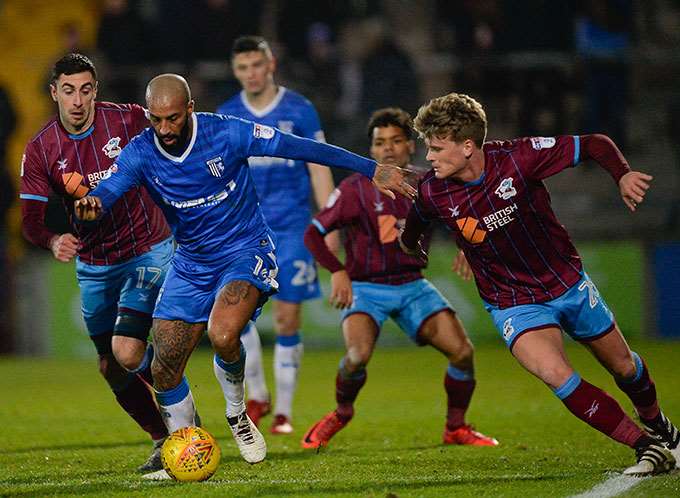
x: 190, y: 454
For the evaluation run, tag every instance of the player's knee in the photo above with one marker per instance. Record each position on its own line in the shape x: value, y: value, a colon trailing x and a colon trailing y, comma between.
x: 128, y: 351
x: 285, y: 322
x: 111, y: 370
x: 463, y: 355
x: 554, y: 375
x: 224, y: 339
x: 357, y: 358
x: 624, y: 367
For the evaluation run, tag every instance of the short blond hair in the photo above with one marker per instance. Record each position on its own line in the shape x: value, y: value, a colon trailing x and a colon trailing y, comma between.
x: 456, y: 116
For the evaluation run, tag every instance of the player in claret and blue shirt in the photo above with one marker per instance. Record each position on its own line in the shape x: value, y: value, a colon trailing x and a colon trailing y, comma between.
x: 378, y: 281
x: 123, y: 257
x: 285, y: 187
x: 195, y: 167
x: 492, y: 198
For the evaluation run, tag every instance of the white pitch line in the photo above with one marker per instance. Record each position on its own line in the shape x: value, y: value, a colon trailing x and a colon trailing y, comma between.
x: 613, y: 486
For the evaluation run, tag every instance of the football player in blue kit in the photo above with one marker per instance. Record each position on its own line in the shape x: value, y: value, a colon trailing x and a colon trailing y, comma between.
x: 194, y: 166
x: 285, y: 187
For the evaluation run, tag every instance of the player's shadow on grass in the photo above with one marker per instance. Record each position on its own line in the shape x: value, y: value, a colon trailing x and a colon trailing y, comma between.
x: 77, y: 446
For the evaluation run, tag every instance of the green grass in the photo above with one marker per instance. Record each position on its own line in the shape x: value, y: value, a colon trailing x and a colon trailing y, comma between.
x: 64, y: 434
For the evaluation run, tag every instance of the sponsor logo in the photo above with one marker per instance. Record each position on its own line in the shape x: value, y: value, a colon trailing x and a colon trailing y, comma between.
x: 215, y: 166
x: 470, y: 231
x: 262, y: 131
x: 94, y: 178
x: 112, y: 148
x: 505, y: 190
x: 387, y: 226
x: 210, y: 200
x: 379, y: 206
x: 539, y: 143
x: 508, y: 329
x: 73, y: 185
x: 62, y: 164
x: 500, y: 218
x: 455, y: 211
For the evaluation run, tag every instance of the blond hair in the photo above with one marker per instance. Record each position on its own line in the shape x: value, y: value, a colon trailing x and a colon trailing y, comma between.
x: 456, y: 116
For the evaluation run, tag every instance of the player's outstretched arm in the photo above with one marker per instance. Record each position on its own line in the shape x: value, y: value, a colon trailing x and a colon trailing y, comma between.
x: 388, y: 179
x: 89, y: 208
x: 633, y: 187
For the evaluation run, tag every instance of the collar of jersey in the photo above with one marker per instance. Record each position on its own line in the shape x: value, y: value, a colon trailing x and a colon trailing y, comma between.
x: 186, y: 153
x: 269, y: 108
x: 80, y: 136
x: 476, y: 182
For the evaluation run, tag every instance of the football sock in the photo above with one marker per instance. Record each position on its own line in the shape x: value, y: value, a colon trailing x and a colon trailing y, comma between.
x: 254, y: 373
x: 459, y: 385
x: 287, y: 356
x: 347, y: 387
x: 599, y: 410
x: 143, y: 370
x: 137, y: 400
x: 231, y: 379
x: 177, y: 406
x: 641, y: 390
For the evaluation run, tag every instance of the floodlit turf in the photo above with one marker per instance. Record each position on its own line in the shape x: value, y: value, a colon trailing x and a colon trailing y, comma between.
x: 64, y: 434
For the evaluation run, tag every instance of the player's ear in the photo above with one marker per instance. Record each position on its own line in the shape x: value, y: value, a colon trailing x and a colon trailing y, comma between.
x: 190, y: 106
x: 96, y: 87
x: 53, y: 91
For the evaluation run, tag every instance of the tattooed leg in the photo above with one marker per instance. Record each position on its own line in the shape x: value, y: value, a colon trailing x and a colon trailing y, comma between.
x: 173, y: 342
x: 234, y: 305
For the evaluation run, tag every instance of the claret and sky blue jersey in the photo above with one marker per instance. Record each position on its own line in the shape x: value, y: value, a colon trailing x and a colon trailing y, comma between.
x: 207, y: 193
x: 282, y: 184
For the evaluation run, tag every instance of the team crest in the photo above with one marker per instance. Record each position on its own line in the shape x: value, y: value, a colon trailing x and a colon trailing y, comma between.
x: 505, y: 190
x: 215, y: 166
x: 286, y: 126
x: 61, y: 164
x: 112, y: 148
x: 379, y: 207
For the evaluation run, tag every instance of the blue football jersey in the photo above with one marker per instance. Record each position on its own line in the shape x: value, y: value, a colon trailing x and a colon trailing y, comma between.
x: 282, y: 184
x: 207, y: 193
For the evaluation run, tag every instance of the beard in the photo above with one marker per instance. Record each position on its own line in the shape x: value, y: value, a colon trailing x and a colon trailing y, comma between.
x: 178, y: 147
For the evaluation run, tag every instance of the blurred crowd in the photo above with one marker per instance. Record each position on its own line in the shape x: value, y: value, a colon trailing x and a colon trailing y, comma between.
x: 540, y: 68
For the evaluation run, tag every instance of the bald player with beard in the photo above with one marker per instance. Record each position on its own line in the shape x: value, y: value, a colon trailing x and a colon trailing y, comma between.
x: 195, y: 167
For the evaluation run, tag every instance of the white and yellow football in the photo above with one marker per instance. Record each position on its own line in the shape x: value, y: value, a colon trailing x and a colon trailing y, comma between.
x: 190, y: 454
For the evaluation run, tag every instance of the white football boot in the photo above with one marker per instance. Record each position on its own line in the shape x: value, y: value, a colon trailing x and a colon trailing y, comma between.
x: 651, y: 460
x: 249, y: 440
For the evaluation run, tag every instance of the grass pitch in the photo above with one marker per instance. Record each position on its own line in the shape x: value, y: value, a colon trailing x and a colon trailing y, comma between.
x: 65, y: 435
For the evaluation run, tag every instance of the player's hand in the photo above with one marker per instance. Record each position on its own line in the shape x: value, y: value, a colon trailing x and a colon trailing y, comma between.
x: 88, y: 208
x: 633, y: 187
x: 417, y: 251
x: 461, y: 266
x: 64, y: 247
x: 341, y: 290
x: 390, y: 179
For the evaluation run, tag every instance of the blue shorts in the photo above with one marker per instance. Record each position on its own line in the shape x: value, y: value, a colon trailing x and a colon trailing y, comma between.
x: 131, y: 285
x: 580, y: 312
x: 297, y: 269
x: 408, y: 304
x: 190, y: 288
